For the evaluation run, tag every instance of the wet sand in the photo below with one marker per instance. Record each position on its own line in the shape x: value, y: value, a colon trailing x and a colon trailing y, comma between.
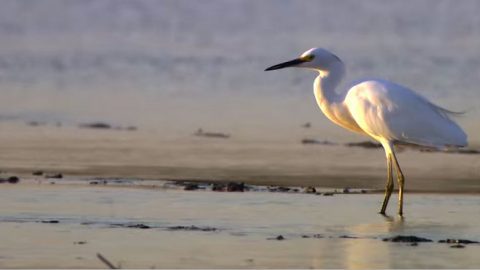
x: 64, y: 225
x: 150, y: 154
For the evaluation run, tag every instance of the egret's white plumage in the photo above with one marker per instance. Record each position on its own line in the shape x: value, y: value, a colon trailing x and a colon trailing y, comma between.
x: 385, y: 110
x: 381, y: 109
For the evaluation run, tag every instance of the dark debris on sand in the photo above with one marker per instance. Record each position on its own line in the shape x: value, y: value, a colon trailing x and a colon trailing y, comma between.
x: 96, y: 125
x: 192, y: 228
x: 170, y: 228
x: 235, y: 187
x: 13, y: 179
x: 365, y: 144
x: 37, y: 173
x: 209, y: 134
x: 225, y: 186
x: 190, y: 186
x: 128, y: 225
x: 103, y: 125
x: 347, y: 237
x: 54, y: 175
x: 317, y: 235
x: 458, y: 241
x: 401, y: 146
x: 314, y: 141
x: 228, y: 187
x: 279, y: 189
x: 406, y: 239
x: 53, y: 221
x: 278, y: 238
x: 10, y: 180
x: 139, y: 226
x: 218, y: 187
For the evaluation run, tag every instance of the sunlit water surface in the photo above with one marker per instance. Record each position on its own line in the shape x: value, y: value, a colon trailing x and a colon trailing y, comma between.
x: 243, y: 221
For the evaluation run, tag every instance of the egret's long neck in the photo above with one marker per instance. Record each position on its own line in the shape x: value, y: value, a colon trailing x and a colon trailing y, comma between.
x: 329, y: 101
x: 325, y: 84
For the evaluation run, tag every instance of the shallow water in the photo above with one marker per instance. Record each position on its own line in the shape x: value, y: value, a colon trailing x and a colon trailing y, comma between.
x: 243, y: 221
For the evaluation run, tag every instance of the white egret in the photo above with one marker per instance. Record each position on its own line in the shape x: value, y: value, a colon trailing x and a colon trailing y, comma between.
x: 383, y: 110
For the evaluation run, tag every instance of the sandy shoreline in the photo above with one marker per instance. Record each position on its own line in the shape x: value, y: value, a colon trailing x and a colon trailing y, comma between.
x: 157, y: 176
x: 84, y: 153
x: 282, y: 186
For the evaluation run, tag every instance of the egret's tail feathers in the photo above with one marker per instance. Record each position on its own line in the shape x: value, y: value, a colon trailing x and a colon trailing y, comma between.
x: 446, y: 112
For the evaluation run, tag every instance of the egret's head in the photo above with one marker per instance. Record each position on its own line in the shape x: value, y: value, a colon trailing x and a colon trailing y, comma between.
x: 316, y: 58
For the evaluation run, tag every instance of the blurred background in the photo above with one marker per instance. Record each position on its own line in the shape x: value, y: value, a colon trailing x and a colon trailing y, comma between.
x: 176, y: 66
x: 147, y: 74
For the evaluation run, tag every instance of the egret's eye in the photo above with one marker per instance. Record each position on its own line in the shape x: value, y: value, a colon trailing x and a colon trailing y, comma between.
x: 308, y: 58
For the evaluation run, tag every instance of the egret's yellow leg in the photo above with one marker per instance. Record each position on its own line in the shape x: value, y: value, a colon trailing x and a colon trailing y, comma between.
x: 389, y: 186
x: 401, y: 182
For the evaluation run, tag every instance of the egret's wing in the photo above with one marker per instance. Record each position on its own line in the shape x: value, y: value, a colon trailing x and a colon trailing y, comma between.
x: 387, y: 110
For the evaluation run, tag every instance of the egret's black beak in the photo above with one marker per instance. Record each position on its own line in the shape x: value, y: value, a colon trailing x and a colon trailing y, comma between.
x: 292, y: 63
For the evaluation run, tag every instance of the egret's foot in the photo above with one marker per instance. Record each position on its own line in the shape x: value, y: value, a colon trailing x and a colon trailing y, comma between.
x: 400, y: 219
x: 384, y: 204
x: 387, y: 218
